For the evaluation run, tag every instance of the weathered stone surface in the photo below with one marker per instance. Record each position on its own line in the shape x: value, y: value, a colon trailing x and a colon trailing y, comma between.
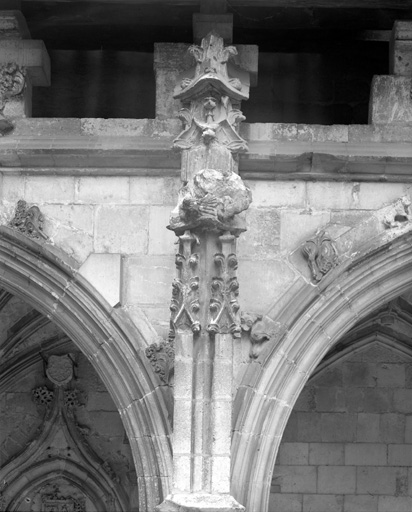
x: 212, y: 200
x: 46, y: 189
x: 201, y: 502
x: 104, y: 273
x: 114, y: 226
x: 301, y: 224
x: 391, y: 100
x: 101, y: 190
x: 400, y: 51
x: 262, y: 239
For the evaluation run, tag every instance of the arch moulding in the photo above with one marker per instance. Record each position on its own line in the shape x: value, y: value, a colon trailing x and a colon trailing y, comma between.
x: 312, y: 321
x: 47, y: 279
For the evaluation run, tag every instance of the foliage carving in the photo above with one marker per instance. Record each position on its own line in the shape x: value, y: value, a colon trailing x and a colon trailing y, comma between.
x: 321, y: 254
x: 28, y: 221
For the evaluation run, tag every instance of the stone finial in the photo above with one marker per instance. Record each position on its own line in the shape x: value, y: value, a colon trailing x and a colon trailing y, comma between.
x: 212, y: 71
x: 321, y: 254
x: 28, y: 221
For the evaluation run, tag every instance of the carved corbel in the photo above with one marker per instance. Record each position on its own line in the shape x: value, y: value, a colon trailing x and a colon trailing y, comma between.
x: 260, y: 330
x: 12, y: 82
x: 321, y: 254
x: 28, y: 221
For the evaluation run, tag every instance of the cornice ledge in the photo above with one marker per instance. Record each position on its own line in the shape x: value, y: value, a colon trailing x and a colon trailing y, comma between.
x: 144, y: 147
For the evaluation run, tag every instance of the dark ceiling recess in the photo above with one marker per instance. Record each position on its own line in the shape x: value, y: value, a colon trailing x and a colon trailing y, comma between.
x: 102, y: 52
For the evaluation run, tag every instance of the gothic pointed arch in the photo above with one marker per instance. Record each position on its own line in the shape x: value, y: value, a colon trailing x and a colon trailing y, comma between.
x: 47, y: 279
x: 313, y: 319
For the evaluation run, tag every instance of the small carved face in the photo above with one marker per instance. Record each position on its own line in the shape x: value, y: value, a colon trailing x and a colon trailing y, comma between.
x: 210, y: 103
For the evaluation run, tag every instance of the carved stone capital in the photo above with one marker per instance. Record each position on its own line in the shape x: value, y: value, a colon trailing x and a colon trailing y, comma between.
x: 321, y: 254
x: 28, y: 221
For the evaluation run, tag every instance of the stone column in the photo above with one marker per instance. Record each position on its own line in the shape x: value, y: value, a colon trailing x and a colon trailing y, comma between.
x: 205, y: 313
x: 391, y: 96
x: 23, y: 63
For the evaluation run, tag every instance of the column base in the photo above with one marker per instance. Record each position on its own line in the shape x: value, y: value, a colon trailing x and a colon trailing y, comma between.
x: 200, y: 503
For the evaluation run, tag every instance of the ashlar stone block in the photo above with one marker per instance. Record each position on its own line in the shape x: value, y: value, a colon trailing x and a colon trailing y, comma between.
x: 400, y: 50
x: 336, y: 480
x: 390, y: 100
x: 103, y: 271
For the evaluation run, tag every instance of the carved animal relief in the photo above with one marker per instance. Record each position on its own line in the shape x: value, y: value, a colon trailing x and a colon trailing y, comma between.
x: 321, y: 254
x: 28, y: 221
x: 260, y: 330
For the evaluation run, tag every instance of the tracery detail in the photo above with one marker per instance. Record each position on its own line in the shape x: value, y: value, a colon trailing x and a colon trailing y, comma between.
x: 224, y: 307
x: 185, y: 288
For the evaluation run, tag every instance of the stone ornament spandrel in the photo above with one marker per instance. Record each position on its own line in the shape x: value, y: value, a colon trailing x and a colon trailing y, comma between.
x: 29, y: 221
x: 321, y: 254
x: 161, y: 356
x: 12, y: 82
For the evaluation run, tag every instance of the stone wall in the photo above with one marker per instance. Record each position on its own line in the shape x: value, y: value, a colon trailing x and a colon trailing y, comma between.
x: 124, y: 219
x: 347, y: 445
